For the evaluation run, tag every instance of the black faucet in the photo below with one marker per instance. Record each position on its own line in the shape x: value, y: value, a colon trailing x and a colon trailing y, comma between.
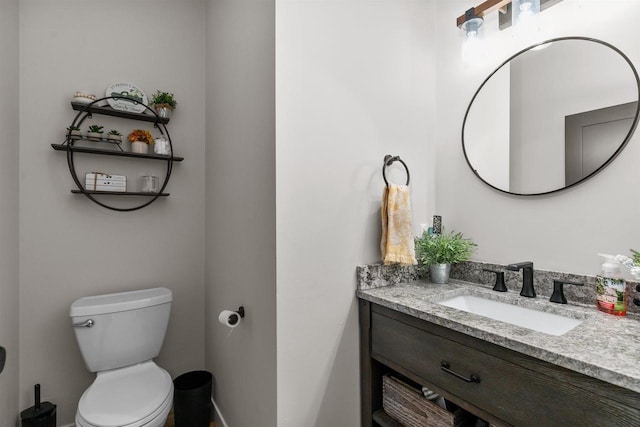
x: 527, y: 277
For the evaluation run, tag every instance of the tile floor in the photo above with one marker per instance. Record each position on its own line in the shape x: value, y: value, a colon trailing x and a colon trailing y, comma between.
x: 170, y: 422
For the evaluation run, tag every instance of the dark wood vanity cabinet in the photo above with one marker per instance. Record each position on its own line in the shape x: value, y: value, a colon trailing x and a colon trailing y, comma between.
x: 499, y: 385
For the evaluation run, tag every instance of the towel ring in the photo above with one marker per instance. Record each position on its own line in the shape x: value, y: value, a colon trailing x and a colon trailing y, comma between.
x: 388, y: 161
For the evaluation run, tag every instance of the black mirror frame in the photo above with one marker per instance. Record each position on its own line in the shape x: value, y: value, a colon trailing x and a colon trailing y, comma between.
x: 605, y: 164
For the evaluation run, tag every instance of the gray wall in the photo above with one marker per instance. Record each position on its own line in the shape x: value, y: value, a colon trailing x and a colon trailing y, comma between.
x: 70, y: 247
x: 9, y: 137
x: 241, y: 208
x: 355, y: 81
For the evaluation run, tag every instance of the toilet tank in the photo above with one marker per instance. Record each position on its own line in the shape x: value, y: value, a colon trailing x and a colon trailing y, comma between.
x: 126, y: 327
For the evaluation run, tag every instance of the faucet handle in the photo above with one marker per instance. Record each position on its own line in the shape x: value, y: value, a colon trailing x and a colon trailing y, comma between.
x: 558, y: 292
x: 499, y: 286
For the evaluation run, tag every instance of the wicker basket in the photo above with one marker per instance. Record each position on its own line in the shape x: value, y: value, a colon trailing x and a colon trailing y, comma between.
x: 410, y: 408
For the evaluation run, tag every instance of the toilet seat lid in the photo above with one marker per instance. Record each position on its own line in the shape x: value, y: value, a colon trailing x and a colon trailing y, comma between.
x: 124, y: 396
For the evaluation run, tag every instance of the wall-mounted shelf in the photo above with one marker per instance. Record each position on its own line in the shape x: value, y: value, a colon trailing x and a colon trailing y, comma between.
x: 108, y: 111
x: 105, y: 152
x: 85, y: 111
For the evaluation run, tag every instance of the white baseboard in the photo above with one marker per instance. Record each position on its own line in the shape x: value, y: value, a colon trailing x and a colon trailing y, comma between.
x: 215, y: 407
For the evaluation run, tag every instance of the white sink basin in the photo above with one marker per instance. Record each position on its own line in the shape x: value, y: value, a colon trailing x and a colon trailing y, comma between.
x: 541, y: 321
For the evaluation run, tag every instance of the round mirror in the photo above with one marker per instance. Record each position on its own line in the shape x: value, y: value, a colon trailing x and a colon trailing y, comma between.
x: 551, y: 116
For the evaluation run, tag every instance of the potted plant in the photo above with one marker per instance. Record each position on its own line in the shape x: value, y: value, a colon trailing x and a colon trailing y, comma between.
x: 95, y: 132
x: 140, y: 140
x: 635, y: 265
x: 631, y: 263
x: 73, y: 132
x: 439, y: 251
x: 114, y: 136
x: 164, y: 103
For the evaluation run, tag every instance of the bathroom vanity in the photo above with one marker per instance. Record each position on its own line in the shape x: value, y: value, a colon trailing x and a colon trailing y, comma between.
x: 505, y: 374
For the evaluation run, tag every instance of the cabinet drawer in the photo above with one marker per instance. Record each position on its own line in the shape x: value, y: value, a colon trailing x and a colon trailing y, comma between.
x: 513, y: 393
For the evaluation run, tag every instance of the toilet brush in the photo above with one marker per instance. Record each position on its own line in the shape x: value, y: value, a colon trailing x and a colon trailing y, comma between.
x: 41, y: 414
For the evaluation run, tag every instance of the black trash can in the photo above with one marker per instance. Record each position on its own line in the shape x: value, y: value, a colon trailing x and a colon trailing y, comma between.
x: 192, y: 399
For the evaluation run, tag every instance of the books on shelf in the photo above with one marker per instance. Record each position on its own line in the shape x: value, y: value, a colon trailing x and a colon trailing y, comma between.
x: 96, y: 181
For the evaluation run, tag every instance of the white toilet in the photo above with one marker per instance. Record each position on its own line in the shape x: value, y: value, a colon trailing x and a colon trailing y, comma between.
x: 119, y: 335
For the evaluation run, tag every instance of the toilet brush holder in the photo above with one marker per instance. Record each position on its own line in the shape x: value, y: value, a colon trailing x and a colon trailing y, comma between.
x: 42, y: 414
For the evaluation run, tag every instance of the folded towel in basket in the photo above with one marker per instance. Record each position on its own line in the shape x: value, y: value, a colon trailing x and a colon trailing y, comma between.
x: 397, y: 245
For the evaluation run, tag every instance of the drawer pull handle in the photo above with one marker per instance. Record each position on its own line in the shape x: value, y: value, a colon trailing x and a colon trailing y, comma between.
x: 444, y: 365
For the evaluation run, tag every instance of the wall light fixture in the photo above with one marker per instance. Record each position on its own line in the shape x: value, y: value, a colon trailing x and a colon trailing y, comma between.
x: 483, y: 9
x: 505, y: 7
x: 525, y: 18
x: 521, y: 13
x: 472, y: 34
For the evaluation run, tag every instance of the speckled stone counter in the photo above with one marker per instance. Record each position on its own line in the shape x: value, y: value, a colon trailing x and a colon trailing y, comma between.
x: 603, y: 346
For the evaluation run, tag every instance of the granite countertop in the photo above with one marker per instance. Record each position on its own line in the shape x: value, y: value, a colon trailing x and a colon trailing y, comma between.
x: 603, y: 346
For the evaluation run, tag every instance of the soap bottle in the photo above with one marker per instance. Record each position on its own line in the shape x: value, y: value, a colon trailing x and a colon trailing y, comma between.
x: 611, y: 289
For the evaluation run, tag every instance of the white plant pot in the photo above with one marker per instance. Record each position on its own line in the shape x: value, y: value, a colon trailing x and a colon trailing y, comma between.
x: 94, y: 136
x: 75, y: 134
x: 139, y: 147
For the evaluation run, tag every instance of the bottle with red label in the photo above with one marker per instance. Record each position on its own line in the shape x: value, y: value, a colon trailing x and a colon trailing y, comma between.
x: 611, y: 289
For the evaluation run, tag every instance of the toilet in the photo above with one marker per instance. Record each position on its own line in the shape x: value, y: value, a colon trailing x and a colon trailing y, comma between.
x: 119, y: 335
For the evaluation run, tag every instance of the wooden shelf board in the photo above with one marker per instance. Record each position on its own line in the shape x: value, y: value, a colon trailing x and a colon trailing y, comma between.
x: 108, y: 111
x: 118, y: 193
x: 105, y: 152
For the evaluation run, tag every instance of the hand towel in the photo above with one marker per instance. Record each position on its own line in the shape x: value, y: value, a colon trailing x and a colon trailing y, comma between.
x: 397, y: 244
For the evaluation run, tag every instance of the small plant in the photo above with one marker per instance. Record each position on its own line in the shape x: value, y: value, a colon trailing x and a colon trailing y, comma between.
x: 164, y: 99
x: 140, y: 135
x: 73, y: 132
x: 631, y: 263
x: 114, y: 136
x: 96, y: 129
x: 445, y: 248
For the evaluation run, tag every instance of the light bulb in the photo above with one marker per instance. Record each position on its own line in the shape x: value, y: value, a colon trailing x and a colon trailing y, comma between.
x: 525, y: 7
x: 525, y: 18
x: 472, y: 45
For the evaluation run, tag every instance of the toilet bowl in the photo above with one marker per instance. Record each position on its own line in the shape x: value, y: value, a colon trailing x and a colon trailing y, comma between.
x: 119, y: 335
x: 133, y: 396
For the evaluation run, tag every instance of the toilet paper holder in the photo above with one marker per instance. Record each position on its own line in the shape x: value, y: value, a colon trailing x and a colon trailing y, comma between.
x: 240, y: 312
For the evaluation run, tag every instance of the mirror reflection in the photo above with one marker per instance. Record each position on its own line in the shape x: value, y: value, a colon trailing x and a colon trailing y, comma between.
x: 551, y: 116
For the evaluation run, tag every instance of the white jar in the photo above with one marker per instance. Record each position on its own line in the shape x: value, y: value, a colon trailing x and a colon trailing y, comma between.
x: 149, y: 183
x: 161, y: 146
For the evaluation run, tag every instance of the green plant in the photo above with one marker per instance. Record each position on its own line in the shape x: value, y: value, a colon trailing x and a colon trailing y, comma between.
x: 114, y: 132
x: 445, y: 248
x: 96, y: 129
x: 636, y: 257
x: 72, y: 128
x: 164, y: 99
